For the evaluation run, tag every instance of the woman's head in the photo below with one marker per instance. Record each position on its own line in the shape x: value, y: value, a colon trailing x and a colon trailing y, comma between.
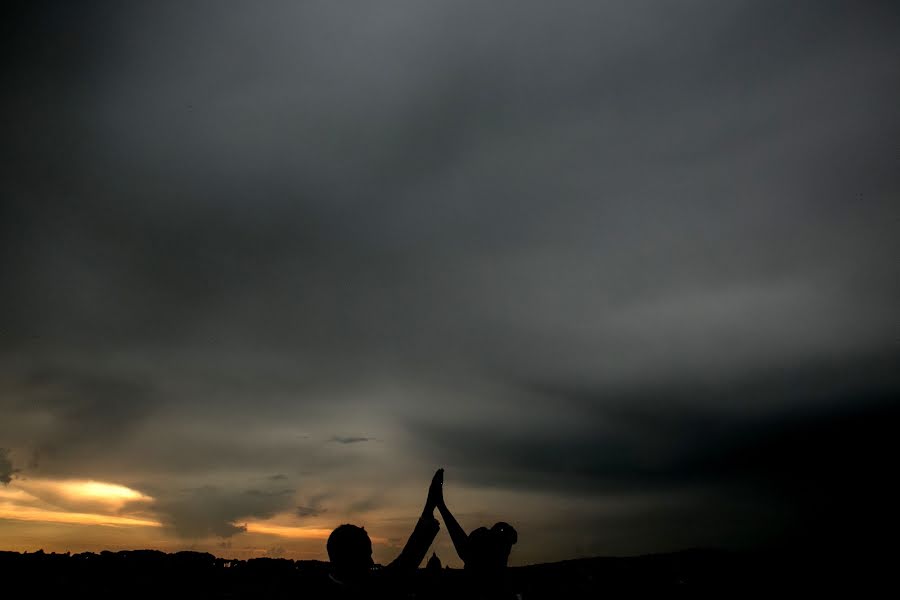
x: 488, y: 549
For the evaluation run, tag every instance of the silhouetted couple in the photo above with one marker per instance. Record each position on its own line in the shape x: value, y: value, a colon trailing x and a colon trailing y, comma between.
x: 484, y: 553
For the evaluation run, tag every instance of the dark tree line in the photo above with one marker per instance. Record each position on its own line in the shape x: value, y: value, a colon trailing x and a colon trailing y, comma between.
x: 155, y: 574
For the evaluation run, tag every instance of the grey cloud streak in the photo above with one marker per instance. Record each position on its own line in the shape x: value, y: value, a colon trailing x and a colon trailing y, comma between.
x: 340, y: 439
x: 209, y: 510
x: 6, y: 467
x: 225, y: 228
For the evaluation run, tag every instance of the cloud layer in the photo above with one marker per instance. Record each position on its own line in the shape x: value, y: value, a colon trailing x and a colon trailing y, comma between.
x: 638, y: 261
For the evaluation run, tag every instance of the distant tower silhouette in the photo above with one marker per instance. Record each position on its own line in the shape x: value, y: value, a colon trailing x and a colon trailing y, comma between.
x: 434, y: 563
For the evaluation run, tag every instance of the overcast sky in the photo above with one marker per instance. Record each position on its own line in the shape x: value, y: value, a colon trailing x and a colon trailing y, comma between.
x: 627, y: 270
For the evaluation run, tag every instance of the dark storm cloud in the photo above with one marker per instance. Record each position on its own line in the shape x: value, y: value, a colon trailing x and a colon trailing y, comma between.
x: 145, y: 427
x: 6, y: 467
x: 307, y: 511
x: 540, y: 179
x: 209, y: 510
x: 713, y: 453
x: 67, y: 415
x: 671, y: 444
x: 314, y: 507
x: 365, y: 505
x: 568, y: 248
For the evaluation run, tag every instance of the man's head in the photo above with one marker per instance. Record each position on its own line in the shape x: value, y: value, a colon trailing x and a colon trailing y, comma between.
x: 350, y: 552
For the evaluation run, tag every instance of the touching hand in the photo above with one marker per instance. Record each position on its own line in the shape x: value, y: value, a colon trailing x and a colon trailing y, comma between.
x: 436, y: 490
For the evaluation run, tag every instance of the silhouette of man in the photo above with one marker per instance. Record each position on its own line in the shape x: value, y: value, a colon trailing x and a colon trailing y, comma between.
x: 350, y: 553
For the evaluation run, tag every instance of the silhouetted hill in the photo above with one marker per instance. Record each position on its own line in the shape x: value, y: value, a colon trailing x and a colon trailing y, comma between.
x: 155, y: 574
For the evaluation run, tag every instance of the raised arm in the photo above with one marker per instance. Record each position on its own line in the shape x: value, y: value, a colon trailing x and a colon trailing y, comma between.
x: 459, y: 537
x: 425, y: 531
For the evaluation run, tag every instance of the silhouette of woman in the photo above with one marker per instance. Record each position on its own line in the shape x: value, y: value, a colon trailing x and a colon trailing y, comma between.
x: 484, y: 552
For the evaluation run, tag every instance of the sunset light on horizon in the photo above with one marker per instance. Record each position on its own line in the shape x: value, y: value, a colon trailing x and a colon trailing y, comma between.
x: 117, y: 506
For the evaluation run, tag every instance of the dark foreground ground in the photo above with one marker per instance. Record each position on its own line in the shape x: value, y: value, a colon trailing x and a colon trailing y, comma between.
x: 689, y: 574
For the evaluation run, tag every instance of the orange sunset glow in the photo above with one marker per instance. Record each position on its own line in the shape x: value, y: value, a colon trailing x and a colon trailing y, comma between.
x: 117, y: 512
